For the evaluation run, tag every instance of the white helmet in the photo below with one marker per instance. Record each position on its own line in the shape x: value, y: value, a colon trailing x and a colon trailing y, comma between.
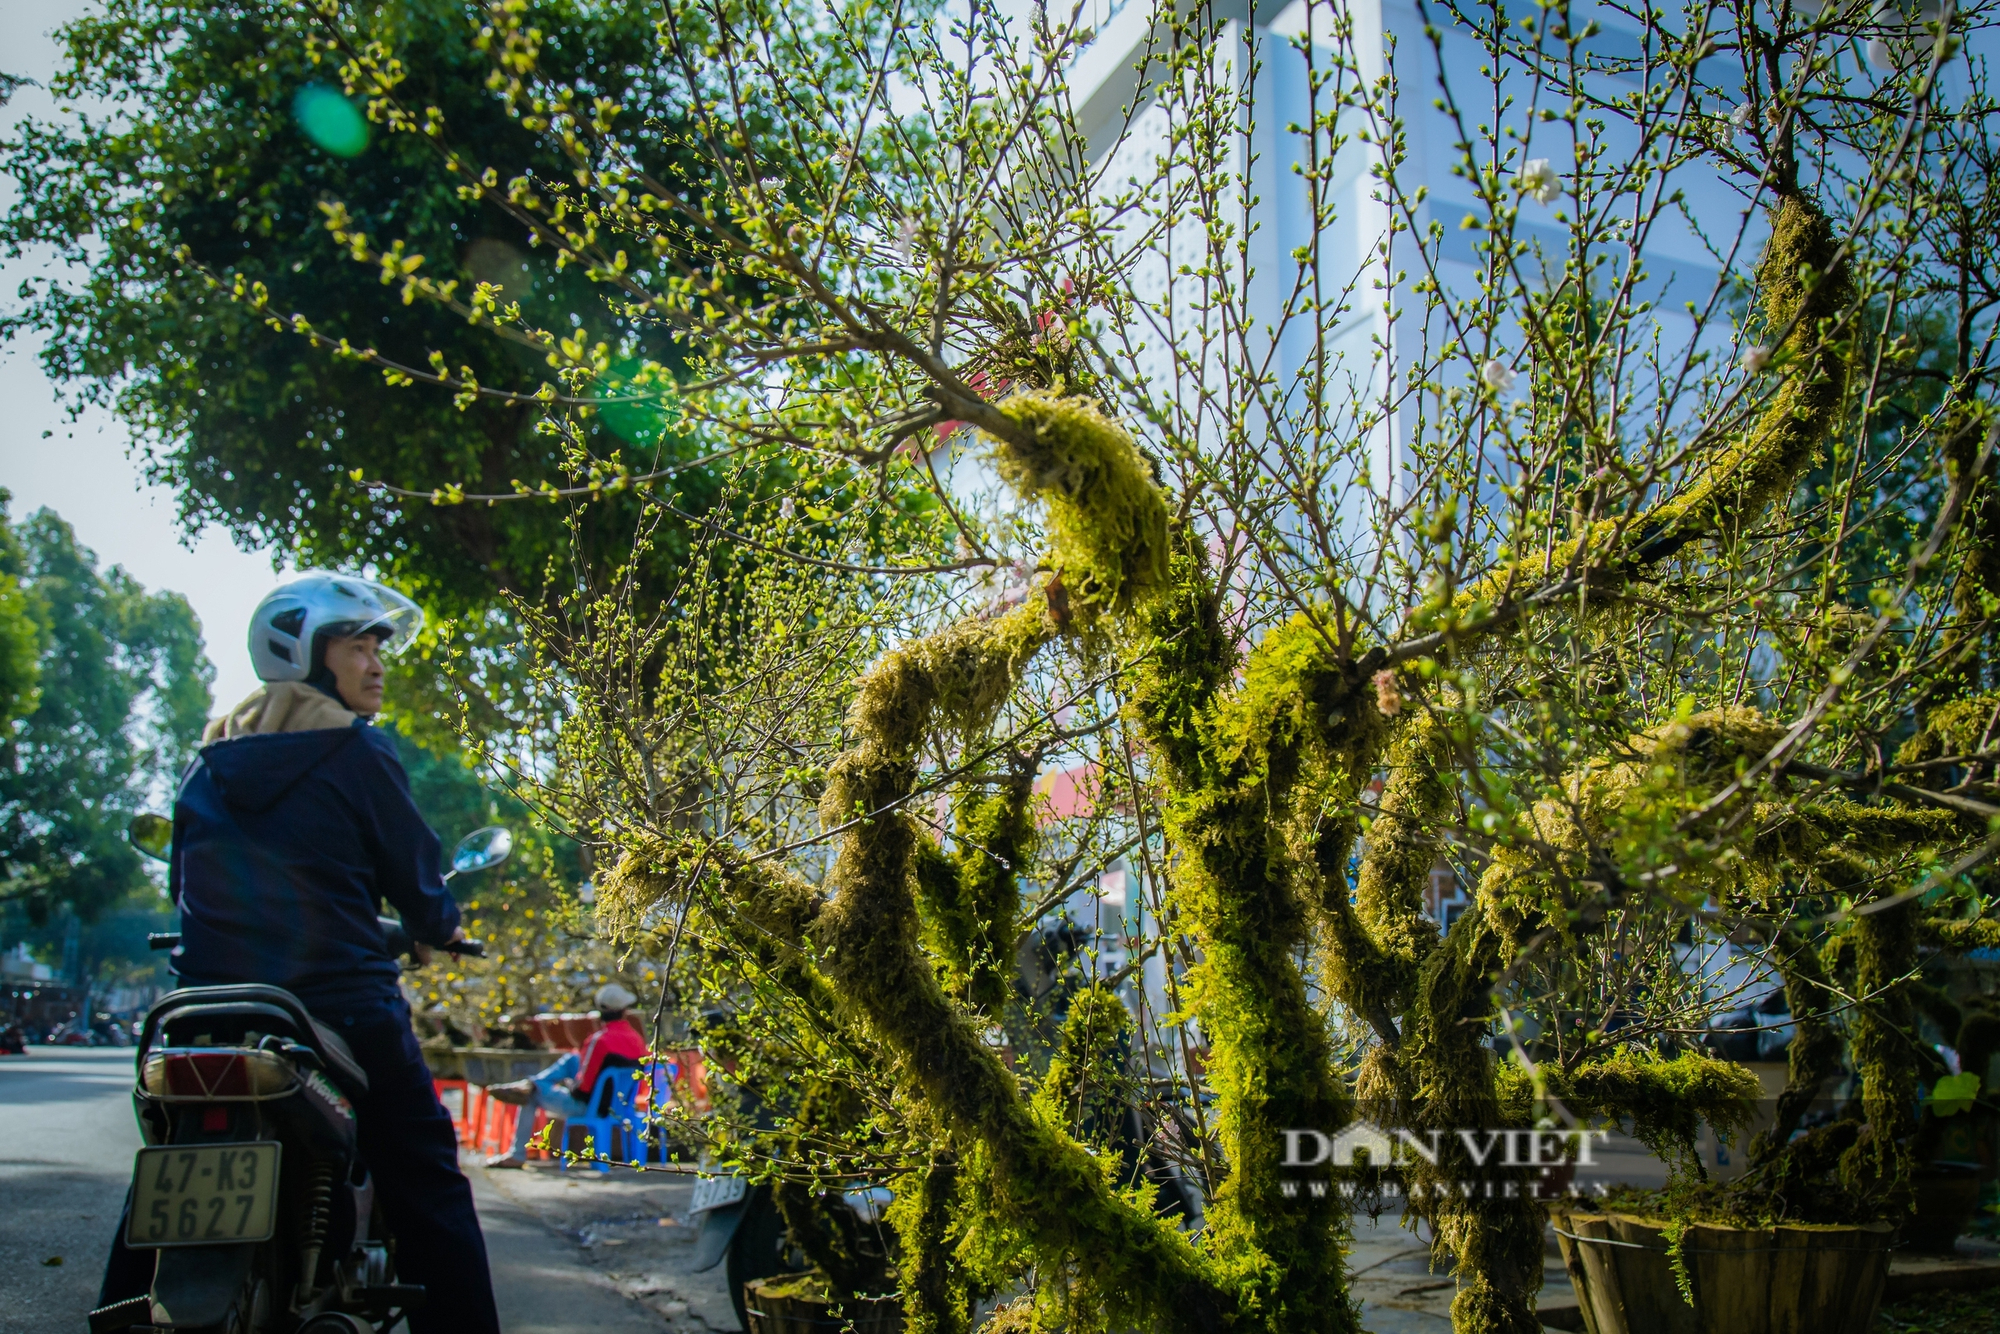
x: 292, y: 616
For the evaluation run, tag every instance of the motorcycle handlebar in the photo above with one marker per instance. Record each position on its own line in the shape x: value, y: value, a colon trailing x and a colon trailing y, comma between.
x: 399, y: 941
x: 393, y: 934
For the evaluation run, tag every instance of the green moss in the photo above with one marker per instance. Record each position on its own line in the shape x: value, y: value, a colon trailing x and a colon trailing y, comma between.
x: 935, y: 1297
x: 1107, y: 520
x: 1963, y: 433
x: 1979, y: 933
x: 1958, y: 727
x: 1885, y: 953
x: 1805, y: 287
x: 954, y: 680
x: 1396, y: 869
x: 1455, y: 1081
x: 1086, y: 1088
x: 1253, y: 768
x: 1667, y: 1099
x: 810, y: 1286
x: 1813, y: 1055
x: 1187, y: 658
x: 1054, y: 1191
x: 970, y: 897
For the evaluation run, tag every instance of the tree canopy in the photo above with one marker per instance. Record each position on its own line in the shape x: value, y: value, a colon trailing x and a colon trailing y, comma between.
x: 223, y: 136
x: 122, y: 695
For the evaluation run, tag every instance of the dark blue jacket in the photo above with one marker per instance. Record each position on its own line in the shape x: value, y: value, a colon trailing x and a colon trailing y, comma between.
x: 285, y: 845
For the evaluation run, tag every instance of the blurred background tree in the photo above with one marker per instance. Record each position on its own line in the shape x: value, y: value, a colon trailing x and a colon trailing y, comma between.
x: 227, y: 137
x: 123, y: 691
x: 105, y: 690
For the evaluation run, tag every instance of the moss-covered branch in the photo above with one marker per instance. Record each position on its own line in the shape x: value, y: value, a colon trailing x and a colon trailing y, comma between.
x: 1239, y: 766
x: 1110, y: 543
x: 1806, y: 288
x: 971, y: 896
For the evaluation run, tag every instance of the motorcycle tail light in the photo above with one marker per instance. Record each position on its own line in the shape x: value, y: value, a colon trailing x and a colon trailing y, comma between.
x: 217, y: 1072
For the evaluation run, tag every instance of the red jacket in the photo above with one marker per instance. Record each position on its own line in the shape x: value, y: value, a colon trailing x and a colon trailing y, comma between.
x: 617, y: 1045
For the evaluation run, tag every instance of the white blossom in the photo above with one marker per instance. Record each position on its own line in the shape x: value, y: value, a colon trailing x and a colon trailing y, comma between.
x: 1740, y: 118
x: 786, y: 507
x: 1539, y: 181
x: 1755, y: 358
x: 1498, y: 375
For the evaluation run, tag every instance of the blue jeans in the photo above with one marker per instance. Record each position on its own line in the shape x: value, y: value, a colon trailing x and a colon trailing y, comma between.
x: 555, y: 1101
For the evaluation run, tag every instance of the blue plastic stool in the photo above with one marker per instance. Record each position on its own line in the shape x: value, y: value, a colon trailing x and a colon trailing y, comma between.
x: 612, y: 1099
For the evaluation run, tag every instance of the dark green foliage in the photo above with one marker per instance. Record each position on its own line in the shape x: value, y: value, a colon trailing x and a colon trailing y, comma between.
x: 122, y: 699
x: 1976, y: 597
x: 258, y: 430
x: 20, y: 637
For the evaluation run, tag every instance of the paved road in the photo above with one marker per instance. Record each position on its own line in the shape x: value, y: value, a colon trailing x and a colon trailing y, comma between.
x: 66, y: 1143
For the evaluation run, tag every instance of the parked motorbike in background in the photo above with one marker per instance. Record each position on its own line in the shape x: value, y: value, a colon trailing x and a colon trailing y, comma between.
x: 250, y: 1189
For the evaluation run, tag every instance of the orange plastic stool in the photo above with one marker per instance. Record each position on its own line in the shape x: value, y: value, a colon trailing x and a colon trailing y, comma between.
x: 458, y: 1117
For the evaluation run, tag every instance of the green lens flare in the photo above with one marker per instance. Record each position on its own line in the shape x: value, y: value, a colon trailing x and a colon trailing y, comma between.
x: 330, y: 120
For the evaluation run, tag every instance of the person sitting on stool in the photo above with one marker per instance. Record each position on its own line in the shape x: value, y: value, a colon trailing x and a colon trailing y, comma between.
x: 563, y: 1090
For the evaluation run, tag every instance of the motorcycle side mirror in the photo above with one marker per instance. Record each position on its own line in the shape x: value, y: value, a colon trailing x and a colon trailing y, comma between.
x: 482, y: 848
x: 152, y: 835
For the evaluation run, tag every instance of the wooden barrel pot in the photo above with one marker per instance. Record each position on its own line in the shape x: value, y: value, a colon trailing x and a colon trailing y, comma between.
x: 1789, y: 1279
x: 794, y: 1304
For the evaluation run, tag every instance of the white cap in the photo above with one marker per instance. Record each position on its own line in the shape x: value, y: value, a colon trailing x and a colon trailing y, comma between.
x: 611, y: 996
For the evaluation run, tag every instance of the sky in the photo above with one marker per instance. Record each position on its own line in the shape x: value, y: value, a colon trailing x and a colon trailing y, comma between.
x: 86, y: 470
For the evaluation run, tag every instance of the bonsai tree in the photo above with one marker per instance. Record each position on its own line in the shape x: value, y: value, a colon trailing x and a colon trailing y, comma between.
x: 1309, y: 570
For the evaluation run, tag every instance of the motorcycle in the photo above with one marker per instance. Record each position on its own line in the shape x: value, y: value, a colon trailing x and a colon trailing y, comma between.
x: 249, y: 1187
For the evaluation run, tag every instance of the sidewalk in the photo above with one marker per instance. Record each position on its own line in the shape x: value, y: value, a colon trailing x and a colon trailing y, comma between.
x: 575, y: 1251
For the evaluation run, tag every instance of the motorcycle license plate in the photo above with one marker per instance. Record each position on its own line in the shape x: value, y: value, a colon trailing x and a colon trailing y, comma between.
x: 201, y: 1195
x: 717, y: 1193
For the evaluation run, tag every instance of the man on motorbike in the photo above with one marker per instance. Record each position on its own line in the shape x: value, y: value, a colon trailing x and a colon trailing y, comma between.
x: 290, y: 826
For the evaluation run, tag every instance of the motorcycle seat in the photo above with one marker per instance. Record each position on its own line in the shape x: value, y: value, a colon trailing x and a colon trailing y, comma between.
x: 273, y: 1009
